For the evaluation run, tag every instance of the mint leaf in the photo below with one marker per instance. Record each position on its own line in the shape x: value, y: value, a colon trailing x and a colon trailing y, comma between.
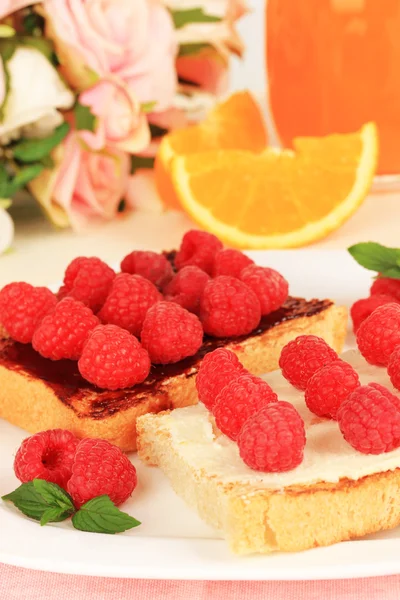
x: 84, y: 119
x: 42, y: 501
x: 54, y: 515
x: 190, y: 49
x: 192, y: 15
x: 53, y: 494
x: 376, y: 257
x: 100, y: 515
x: 141, y: 162
x: 35, y: 149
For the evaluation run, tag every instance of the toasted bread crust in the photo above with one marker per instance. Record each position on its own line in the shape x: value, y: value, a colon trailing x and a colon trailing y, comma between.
x: 35, y: 404
x: 263, y: 520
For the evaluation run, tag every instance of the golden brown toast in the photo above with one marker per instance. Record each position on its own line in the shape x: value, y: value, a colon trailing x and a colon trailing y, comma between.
x: 38, y: 394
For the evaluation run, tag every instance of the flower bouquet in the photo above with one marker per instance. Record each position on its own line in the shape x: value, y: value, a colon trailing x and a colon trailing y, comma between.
x: 88, y: 87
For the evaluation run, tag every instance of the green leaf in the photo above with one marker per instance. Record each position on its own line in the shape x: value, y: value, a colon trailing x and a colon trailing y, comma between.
x: 141, y: 162
x: 376, y: 257
x: 41, y: 44
x: 53, y: 494
x: 147, y: 107
x: 7, y: 48
x: 3, y: 182
x: 6, y: 31
x: 24, y: 176
x: 54, y: 515
x: 47, y: 162
x: 192, y: 15
x: 42, y: 501
x: 33, y: 23
x: 100, y: 515
x: 35, y: 149
x: 190, y: 49
x: 84, y: 119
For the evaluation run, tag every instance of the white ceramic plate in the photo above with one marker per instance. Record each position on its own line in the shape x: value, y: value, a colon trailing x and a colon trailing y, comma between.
x: 172, y: 542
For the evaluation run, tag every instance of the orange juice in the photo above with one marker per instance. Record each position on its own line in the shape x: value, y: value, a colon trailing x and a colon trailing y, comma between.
x: 332, y: 66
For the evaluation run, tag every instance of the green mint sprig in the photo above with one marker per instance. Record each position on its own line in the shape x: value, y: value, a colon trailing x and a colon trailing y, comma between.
x: 378, y: 258
x: 48, y: 503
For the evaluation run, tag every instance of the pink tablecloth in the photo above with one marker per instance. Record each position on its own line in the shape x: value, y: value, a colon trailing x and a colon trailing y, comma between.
x: 18, y: 583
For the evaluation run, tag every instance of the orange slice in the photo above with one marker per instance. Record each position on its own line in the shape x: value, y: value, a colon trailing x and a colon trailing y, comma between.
x: 235, y: 123
x: 278, y: 199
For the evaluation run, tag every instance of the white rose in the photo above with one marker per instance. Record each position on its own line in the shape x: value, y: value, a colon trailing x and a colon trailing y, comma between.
x: 6, y: 230
x: 36, y: 92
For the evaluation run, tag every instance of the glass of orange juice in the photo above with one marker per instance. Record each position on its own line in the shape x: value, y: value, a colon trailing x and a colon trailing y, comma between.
x: 333, y: 65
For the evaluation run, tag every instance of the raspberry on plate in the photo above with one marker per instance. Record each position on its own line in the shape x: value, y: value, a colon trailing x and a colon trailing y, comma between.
x: 46, y: 455
x: 171, y: 333
x: 329, y: 387
x: 379, y: 334
x: 113, y: 359
x: 302, y: 357
x: 100, y: 469
x: 273, y: 439
x: 241, y: 398
x: 366, y: 306
x: 198, y: 248
x: 394, y: 367
x: 89, y: 280
x: 216, y: 370
x: 186, y: 288
x: 63, y: 332
x: 150, y: 265
x: 387, y: 286
x: 22, y: 307
x: 270, y: 287
x: 229, y: 308
x: 230, y: 262
x: 129, y: 299
x: 369, y: 419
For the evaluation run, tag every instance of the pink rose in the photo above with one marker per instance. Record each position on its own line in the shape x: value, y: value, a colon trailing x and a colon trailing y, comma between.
x: 131, y: 39
x: 120, y: 124
x: 85, y: 185
x: 10, y: 6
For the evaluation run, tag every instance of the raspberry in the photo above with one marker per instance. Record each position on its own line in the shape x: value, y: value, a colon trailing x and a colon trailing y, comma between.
x: 100, y: 469
x: 270, y: 287
x: 217, y: 369
x: 230, y: 262
x: 229, y: 308
x: 187, y: 287
x: 22, y: 307
x: 149, y: 265
x: 63, y: 332
x: 46, y: 455
x: 129, y: 299
x: 304, y: 356
x: 113, y: 359
x: 394, y: 367
x: 369, y: 419
x: 387, y: 286
x: 241, y: 398
x: 273, y: 439
x: 329, y: 387
x: 366, y: 306
x: 198, y: 248
x: 379, y: 334
x: 171, y: 333
x: 88, y: 280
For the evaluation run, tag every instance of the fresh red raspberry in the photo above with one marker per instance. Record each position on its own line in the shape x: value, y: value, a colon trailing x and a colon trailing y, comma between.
x: 63, y: 332
x: 369, y: 419
x: 198, y: 248
x: 101, y: 469
x: 171, y: 333
x: 230, y: 262
x: 228, y: 308
x: 241, y: 398
x: 47, y: 455
x: 129, y: 299
x: 386, y: 286
x: 187, y: 287
x: 113, y: 359
x: 379, y: 334
x: 88, y: 280
x: 366, y: 306
x: 216, y: 370
x: 273, y: 439
x: 150, y: 265
x: 22, y: 307
x: 270, y: 287
x: 304, y: 356
x: 394, y: 367
x: 329, y: 387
